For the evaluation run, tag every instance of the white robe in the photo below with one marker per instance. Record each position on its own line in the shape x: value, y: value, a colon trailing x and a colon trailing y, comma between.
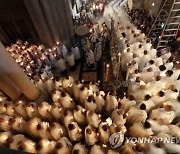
x: 78, y: 3
x: 90, y: 57
x: 76, y: 52
x: 64, y: 51
x: 166, y: 56
x: 142, y: 62
x: 126, y: 58
x: 98, y: 52
x: 61, y: 65
x: 152, y: 53
x: 74, y: 11
x: 70, y: 60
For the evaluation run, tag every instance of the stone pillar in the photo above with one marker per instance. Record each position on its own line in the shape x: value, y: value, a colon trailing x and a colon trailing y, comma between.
x: 8, y: 87
x: 69, y: 17
x: 3, y: 36
x: 48, y: 11
x: 52, y: 20
x: 39, y: 20
x: 16, y: 75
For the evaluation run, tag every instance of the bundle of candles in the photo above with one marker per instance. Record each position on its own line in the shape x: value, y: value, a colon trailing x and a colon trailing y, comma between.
x: 38, y: 61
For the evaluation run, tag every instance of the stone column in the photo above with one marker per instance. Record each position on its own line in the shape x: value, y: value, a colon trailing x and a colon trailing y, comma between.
x: 8, y: 87
x: 37, y: 15
x: 63, y: 26
x: 52, y: 20
x: 69, y: 17
x: 3, y: 36
x: 16, y: 74
x: 48, y: 12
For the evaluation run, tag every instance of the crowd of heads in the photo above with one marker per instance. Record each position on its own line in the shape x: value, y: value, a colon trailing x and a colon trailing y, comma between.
x: 142, y: 19
x: 37, y: 61
x: 87, y: 12
x: 96, y: 42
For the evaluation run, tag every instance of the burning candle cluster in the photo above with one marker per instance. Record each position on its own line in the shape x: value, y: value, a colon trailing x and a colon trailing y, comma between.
x: 38, y: 61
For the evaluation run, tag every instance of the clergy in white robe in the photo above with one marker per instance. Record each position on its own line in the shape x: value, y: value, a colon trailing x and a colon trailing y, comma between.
x: 90, y: 59
x: 70, y: 60
x: 143, y: 60
x: 152, y: 52
x: 61, y: 65
x: 139, y: 51
x: 94, y: 37
x: 76, y: 53
x: 98, y: 52
x: 87, y: 44
x: 64, y: 51
x: 125, y: 59
x: 96, y: 28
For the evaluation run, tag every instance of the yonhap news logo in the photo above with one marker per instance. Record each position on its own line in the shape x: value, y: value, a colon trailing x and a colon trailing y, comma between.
x: 117, y: 139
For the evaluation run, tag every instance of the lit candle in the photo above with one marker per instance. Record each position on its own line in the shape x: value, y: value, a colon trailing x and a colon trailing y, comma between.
x: 128, y: 72
x: 107, y: 72
x: 119, y: 54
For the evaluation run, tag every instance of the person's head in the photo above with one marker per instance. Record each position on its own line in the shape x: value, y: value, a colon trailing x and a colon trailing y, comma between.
x: 123, y: 34
x: 148, y: 40
x: 134, y: 55
x: 145, y: 52
x: 168, y: 49
x: 158, y: 54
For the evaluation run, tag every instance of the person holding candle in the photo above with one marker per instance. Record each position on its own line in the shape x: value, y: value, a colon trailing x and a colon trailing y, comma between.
x: 76, y: 53
x: 98, y: 50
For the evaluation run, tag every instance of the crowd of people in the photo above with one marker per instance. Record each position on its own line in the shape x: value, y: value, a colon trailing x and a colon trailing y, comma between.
x: 40, y: 62
x: 87, y: 12
x: 83, y: 119
x: 153, y: 87
x: 95, y: 43
x: 142, y: 19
